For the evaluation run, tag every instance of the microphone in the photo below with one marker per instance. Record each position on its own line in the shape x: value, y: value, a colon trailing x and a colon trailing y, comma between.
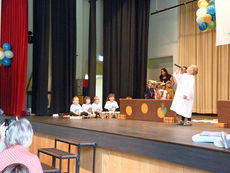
x: 183, y: 68
x: 177, y: 65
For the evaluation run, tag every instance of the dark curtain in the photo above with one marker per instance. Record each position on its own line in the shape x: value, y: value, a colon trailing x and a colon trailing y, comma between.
x: 125, y: 47
x: 63, y: 54
x: 92, y: 49
x: 40, y: 56
x: 141, y: 58
x: 14, y: 30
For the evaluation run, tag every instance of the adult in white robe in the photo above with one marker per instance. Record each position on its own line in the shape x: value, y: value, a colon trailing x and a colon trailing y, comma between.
x: 183, y: 100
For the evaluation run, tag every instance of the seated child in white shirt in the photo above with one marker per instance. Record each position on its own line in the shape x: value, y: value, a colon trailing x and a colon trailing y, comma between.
x: 87, y: 107
x: 75, y: 108
x: 97, y: 107
x: 111, y: 105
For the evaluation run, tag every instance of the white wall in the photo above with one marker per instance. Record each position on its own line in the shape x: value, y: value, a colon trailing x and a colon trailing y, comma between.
x: 82, y: 37
x: 30, y: 46
x: 163, y: 30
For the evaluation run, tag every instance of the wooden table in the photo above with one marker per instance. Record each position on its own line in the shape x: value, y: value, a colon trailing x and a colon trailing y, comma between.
x: 223, y: 111
x: 146, y: 109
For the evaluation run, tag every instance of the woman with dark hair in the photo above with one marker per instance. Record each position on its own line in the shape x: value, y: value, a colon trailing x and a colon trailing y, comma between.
x: 165, y: 76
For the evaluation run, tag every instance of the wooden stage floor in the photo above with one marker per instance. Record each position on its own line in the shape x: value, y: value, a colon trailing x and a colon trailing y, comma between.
x: 151, y: 139
x: 162, y: 132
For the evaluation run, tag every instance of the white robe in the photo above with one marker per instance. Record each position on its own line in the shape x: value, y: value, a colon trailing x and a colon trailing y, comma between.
x: 185, y: 87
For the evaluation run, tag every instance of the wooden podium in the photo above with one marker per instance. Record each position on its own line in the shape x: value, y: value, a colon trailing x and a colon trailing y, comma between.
x: 146, y: 109
x: 223, y: 111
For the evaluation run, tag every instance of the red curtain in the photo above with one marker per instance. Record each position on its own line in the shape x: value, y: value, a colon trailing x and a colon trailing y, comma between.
x: 14, y: 30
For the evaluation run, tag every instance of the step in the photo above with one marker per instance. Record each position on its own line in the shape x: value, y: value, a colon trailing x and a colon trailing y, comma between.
x: 75, y: 142
x: 57, y: 153
x: 48, y: 169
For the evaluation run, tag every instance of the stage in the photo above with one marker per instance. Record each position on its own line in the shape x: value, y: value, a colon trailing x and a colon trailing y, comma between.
x: 162, y: 141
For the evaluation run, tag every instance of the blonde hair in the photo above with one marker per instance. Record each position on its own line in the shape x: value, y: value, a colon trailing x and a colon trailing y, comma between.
x: 195, y: 69
x: 75, y: 98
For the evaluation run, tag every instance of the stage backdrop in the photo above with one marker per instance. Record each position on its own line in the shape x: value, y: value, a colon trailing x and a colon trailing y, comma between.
x: 14, y: 30
x: 195, y: 47
x: 63, y: 54
x: 126, y: 24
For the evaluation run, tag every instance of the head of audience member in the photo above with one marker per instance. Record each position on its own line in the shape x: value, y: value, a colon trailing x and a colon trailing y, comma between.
x: 19, y: 133
x: 16, y: 168
x: 111, y: 97
x: 96, y: 99
x: 192, y: 70
x: 164, y: 72
x: 168, y: 84
x: 87, y: 100
x: 75, y: 100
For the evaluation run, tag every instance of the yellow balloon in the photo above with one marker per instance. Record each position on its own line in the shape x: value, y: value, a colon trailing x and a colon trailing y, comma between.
x: 205, y: 30
x: 199, y: 3
x: 204, y: 4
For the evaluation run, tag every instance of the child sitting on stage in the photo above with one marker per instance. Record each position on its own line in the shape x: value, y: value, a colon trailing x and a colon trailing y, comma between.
x: 97, y: 107
x: 169, y: 90
x: 87, y: 107
x: 161, y: 93
x: 183, y: 101
x: 111, y: 105
x: 75, y: 108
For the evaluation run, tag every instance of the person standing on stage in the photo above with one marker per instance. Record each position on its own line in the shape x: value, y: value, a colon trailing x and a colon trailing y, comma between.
x: 183, y: 100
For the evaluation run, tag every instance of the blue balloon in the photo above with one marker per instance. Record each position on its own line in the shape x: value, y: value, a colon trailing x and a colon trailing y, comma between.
x: 211, y: 9
x: 6, y: 46
x: 6, y: 61
x: 203, y: 26
x: 214, y: 17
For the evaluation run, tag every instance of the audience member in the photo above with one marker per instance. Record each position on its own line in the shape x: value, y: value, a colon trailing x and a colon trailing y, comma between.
x: 16, y: 168
x: 19, y: 137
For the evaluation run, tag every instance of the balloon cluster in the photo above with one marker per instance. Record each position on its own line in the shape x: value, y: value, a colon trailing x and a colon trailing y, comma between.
x: 6, y: 54
x: 206, y: 15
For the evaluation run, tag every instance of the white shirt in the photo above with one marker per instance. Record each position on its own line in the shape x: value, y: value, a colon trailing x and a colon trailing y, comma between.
x: 86, y: 107
x: 75, y: 108
x: 97, y: 107
x: 111, y: 106
x: 185, y: 87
